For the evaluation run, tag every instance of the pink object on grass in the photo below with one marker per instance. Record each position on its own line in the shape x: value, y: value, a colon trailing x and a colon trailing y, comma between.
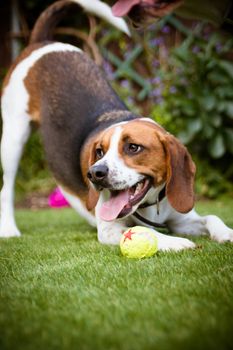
x: 57, y: 200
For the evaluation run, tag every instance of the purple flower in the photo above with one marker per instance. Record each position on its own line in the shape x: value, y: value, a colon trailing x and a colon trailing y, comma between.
x: 156, y: 41
x: 156, y: 92
x: 156, y: 80
x: 159, y: 100
x: 125, y: 84
x: 130, y: 100
x: 218, y: 47
x: 166, y: 29
x: 108, y: 70
x: 155, y: 63
x: 173, y: 89
x: 196, y: 49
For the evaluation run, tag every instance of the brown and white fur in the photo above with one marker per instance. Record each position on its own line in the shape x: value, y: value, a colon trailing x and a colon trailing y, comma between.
x: 103, y: 157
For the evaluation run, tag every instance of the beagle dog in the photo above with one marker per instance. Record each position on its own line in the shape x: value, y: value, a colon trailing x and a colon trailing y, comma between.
x: 117, y: 169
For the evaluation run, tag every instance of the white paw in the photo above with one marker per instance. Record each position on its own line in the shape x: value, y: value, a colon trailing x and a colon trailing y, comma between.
x: 224, y: 236
x: 111, y: 239
x: 174, y: 244
x: 218, y: 230
x: 110, y: 232
x: 10, y: 231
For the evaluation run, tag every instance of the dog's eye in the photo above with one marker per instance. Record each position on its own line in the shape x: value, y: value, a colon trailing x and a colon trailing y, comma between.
x: 133, y: 148
x: 99, y: 153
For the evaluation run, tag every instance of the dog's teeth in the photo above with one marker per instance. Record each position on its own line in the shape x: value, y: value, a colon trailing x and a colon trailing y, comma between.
x: 138, y: 188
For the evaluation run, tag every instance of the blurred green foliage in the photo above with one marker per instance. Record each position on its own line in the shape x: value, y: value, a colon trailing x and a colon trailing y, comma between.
x: 33, y: 174
x: 198, y: 92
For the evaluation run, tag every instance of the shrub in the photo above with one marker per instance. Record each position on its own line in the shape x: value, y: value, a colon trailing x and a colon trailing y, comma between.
x: 198, y: 92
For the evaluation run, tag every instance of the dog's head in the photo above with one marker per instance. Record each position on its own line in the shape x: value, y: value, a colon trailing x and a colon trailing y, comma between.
x: 130, y: 160
x: 144, y: 11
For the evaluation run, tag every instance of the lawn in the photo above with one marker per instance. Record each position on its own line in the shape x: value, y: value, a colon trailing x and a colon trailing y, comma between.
x: 61, y: 289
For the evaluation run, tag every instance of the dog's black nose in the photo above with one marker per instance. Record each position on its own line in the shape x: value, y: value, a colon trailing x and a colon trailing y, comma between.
x: 97, y: 173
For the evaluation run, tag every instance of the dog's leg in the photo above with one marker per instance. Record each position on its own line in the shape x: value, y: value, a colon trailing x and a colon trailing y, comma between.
x: 194, y: 224
x: 77, y: 204
x: 171, y: 243
x: 110, y: 232
x: 15, y: 133
x: 217, y: 230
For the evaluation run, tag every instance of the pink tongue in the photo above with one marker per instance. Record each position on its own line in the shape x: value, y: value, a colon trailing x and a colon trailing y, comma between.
x: 111, y: 209
x: 122, y: 7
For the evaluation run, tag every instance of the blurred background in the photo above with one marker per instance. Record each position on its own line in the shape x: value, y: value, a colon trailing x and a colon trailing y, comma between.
x: 179, y: 71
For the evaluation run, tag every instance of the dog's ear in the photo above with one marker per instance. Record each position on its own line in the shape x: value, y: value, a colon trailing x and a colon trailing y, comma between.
x: 87, y: 159
x: 180, y: 175
x: 92, y: 198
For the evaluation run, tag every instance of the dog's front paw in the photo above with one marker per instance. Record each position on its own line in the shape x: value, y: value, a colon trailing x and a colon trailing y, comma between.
x: 167, y: 243
x: 9, y: 231
x: 218, y: 230
x: 223, y: 236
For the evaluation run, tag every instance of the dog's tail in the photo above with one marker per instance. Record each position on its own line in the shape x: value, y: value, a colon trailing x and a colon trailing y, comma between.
x: 46, y: 23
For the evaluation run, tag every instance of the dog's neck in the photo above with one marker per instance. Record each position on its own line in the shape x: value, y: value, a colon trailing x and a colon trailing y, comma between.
x: 155, y: 196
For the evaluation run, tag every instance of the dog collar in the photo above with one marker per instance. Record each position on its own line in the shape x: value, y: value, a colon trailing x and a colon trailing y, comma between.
x: 160, y: 197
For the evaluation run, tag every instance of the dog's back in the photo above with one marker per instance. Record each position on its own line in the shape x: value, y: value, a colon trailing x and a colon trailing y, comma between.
x: 72, y: 95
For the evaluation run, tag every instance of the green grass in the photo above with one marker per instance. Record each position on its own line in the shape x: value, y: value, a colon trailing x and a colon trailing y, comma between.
x: 61, y: 289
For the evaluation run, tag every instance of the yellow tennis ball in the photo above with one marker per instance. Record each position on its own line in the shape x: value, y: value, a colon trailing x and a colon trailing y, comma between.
x: 138, y: 242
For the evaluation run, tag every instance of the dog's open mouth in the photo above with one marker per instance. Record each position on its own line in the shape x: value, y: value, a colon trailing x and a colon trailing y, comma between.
x: 121, y: 202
